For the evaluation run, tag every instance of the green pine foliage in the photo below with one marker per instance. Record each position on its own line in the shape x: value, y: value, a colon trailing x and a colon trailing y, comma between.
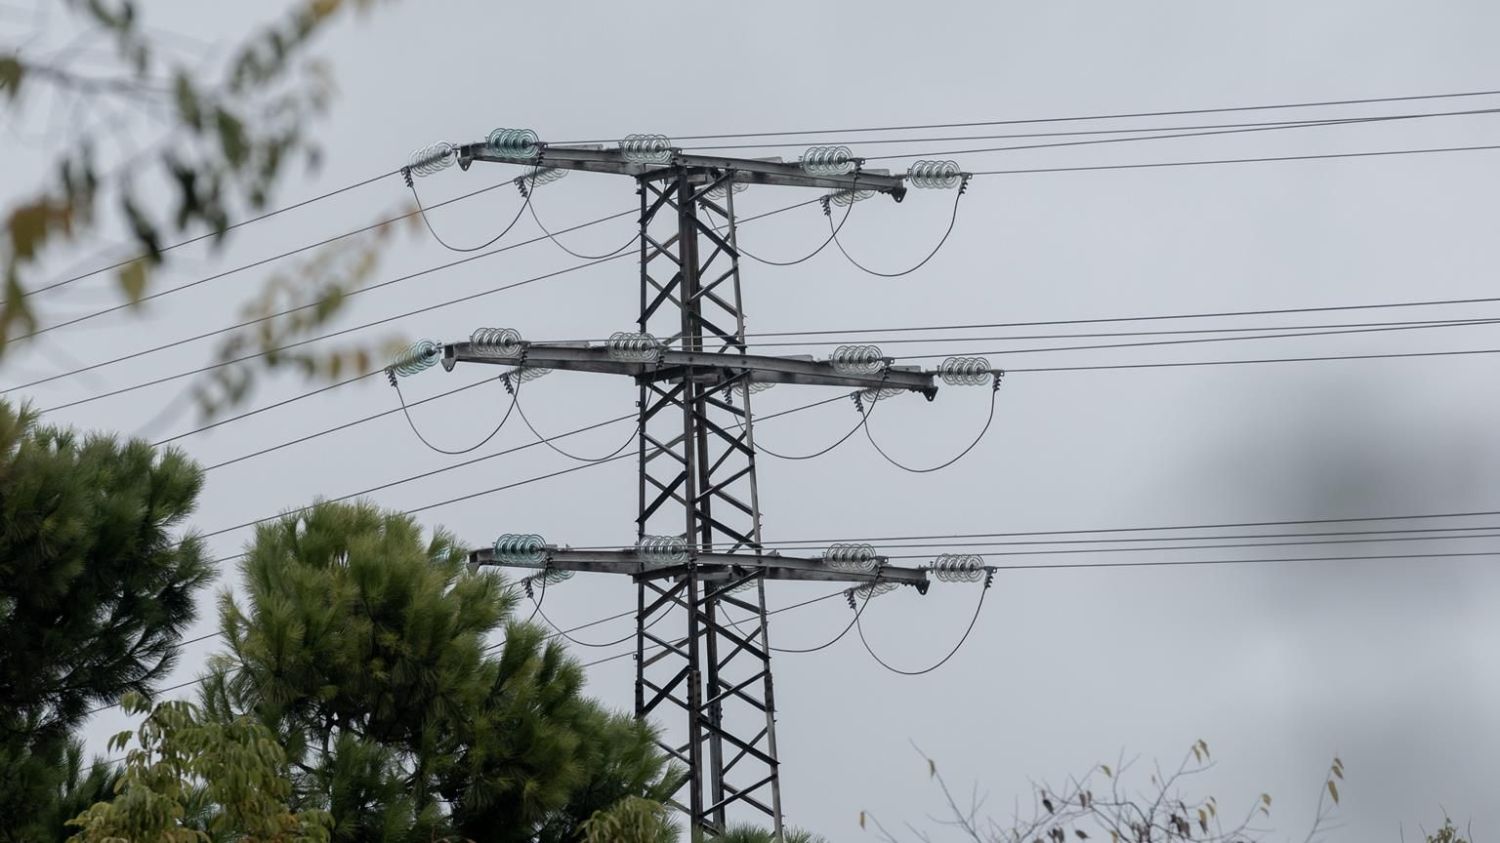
x: 753, y: 834
x: 365, y: 648
x: 96, y: 587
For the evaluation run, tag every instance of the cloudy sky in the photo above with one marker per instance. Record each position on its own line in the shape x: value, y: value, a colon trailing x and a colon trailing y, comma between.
x: 1279, y: 666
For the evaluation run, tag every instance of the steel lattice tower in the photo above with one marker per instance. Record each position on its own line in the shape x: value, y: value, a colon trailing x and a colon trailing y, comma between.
x: 698, y: 550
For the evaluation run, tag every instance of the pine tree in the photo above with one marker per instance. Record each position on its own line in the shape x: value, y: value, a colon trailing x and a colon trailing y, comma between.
x: 365, y: 648
x: 95, y: 590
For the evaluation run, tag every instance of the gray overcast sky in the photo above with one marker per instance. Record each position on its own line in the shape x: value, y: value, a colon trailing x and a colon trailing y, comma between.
x: 1389, y: 664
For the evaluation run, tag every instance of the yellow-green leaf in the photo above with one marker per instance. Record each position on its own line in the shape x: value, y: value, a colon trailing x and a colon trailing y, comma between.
x: 861, y: 819
x: 133, y: 278
x: 11, y: 73
x: 1333, y: 791
x: 187, y: 101
x: 931, y: 768
x: 232, y: 138
x: 1107, y: 772
x: 31, y: 224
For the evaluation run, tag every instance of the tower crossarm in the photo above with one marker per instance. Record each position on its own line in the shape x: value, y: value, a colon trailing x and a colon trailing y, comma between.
x: 748, y: 170
x: 720, y: 369
x: 710, y: 566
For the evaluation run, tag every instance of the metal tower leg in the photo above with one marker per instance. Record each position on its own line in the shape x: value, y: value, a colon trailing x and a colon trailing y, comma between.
x: 720, y: 673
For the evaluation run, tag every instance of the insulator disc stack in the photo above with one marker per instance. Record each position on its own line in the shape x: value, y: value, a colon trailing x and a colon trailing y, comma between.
x: 524, y: 550
x: 851, y: 556
x: 550, y: 576
x: 544, y: 175
x: 966, y: 371
x: 522, y: 374
x: 496, y: 342
x: 417, y: 357
x: 880, y: 393
x: 858, y: 359
x: 934, y: 175
x: 958, y: 567
x: 742, y: 587
x: 515, y: 144
x: 660, y: 551
x: 646, y: 148
x: 720, y: 190
x: 633, y: 347
x: 861, y: 593
x: 433, y: 158
x: 827, y: 161
x: 849, y: 197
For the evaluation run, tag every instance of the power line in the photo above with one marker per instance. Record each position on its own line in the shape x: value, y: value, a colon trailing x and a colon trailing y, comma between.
x: 978, y: 607
x: 422, y: 211
x: 1149, y: 318
x: 1311, y: 331
x: 593, y: 222
x: 191, y: 682
x: 330, y: 335
x: 288, y: 311
x: 474, y: 460
x: 543, y: 440
x: 1232, y: 525
x: 970, y: 124
x: 1181, y: 563
x: 1094, y: 334
x: 1175, y: 135
x: 947, y: 541
x: 1024, y: 370
x: 1021, y: 567
x: 1074, y: 118
x: 490, y: 648
x: 1324, y: 121
x: 1240, y: 338
x: 412, y: 424
x: 989, y: 420
x: 1165, y: 548
x: 422, y: 475
x: 1261, y: 160
x: 833, y: 234
x: 216, y: 233
x: 842, y: 439
x: 1320, y: 331
x: 381, y: 321
x: 1194, y: 363
x: 316, y: 434
x: 1058, y: 547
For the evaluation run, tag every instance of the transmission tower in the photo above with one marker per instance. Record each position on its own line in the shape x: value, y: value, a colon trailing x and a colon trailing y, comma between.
x: 698, y: 556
